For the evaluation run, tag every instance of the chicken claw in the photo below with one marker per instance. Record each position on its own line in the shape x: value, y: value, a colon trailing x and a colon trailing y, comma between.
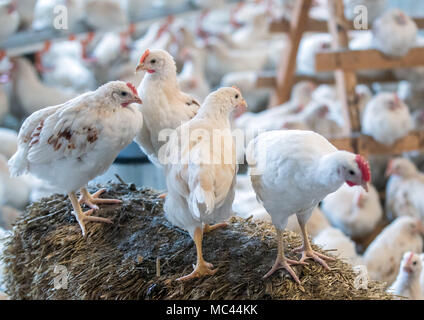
x: 84, y: 217
x: 311, y: 254
x: 284, y: 264
x: 91, y: 200
x: 201, y: 269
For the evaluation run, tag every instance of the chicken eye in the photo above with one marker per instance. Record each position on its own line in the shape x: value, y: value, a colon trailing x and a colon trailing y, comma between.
x: 153, y: 61
x: 414, y: 263
x: 123, y: 93
x: 351, y: 172
x: 237, y: 96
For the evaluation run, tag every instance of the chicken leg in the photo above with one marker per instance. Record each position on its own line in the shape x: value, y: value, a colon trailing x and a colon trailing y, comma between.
x: 281, y: 262
x: 84, y: 217
x: 208, y: 228
x: 202, y: 268
x: 306, y: 249
x: 91, y: 200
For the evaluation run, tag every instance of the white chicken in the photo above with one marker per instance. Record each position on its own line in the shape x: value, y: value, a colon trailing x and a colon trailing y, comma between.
x: 45, y: 13
x: 17, y: 189
x: 8, y: 142
x: 394, y: 33
x: 422, y: 274
x: 164, y: 106
x: 334, y: 239
x: 407, y: 283
x: 292, y: 171
x: 222, y: 60
x: 192, y: 77
x: 201, y: 177
x: 316, y: 223
x: 68, y: 72
x: 9, y: 18
x: 353, y: 211
x: 246, y: 80
x: 404, y: 189
x: 107, y: 50
x: 31, y: 92
x: 106, y: 15
x: 384, y: 254
x: 87, y: 133
x: 386, y: 118
x: 308, y: 48
x: 4, y: 104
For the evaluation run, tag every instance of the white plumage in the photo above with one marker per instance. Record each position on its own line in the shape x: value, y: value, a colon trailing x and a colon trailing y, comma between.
x: 8, y: 142
x: 384, y: 254
x: 292, y: 171
x: 86, y: 133
x: 9, y: 19
x: 334, y: 239
x: 353, y: 211
x: 200, y: 176
x: 407, y: 283
x: 164, y: 107
x: 394, y: 33
x: 192, y: 76
x: 386, y: 118
x: 106, y: 14
x: 31, y: 92
x: 17, y: 190
x: 404, y: 189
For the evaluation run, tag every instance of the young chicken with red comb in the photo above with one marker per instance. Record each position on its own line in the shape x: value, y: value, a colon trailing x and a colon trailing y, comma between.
x: 291, y: 172
x: 164, y: 105
x: 407, y: 283
x: 70, y: 144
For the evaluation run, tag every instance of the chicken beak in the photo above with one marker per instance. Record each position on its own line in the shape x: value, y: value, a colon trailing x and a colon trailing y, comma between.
x: 140, y: 66
x: 364, y: 185
x: 241, y: 108
x: 137, y: 100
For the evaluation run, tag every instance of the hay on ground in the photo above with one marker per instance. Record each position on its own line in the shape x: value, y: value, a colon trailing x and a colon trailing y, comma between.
x: 120, y: 261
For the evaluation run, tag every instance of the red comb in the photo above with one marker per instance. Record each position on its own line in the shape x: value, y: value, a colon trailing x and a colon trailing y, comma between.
x: 364, y: 167
x: 133, y: 89
x: 144, y: 56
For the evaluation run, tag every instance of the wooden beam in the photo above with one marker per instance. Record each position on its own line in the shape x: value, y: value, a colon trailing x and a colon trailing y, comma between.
x: 366, y: 145
x: 287, y: 66
x: 313, y: 25
x: 268, y: 80
x: 345, y: 80
x: 366, y: 60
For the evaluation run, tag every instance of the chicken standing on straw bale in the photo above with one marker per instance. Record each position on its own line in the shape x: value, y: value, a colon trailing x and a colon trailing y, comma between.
x: 291, y: 172
x: 201, y: 176
x: 164, y: 105
x: 70, y: 144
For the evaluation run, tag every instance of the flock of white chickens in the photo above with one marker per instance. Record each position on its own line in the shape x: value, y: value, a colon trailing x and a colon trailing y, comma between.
x: 218, y: 48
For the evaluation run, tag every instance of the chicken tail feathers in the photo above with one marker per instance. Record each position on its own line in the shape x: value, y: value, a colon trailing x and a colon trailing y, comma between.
x: 202, y: 202
x: 18, y: 164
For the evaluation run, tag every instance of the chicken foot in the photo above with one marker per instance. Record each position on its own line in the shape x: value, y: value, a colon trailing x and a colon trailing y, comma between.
x: 84, y: 217
x: 202, y: 267
x: 308, y: 252
x: 281, y: 262
x: 91, y: 200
